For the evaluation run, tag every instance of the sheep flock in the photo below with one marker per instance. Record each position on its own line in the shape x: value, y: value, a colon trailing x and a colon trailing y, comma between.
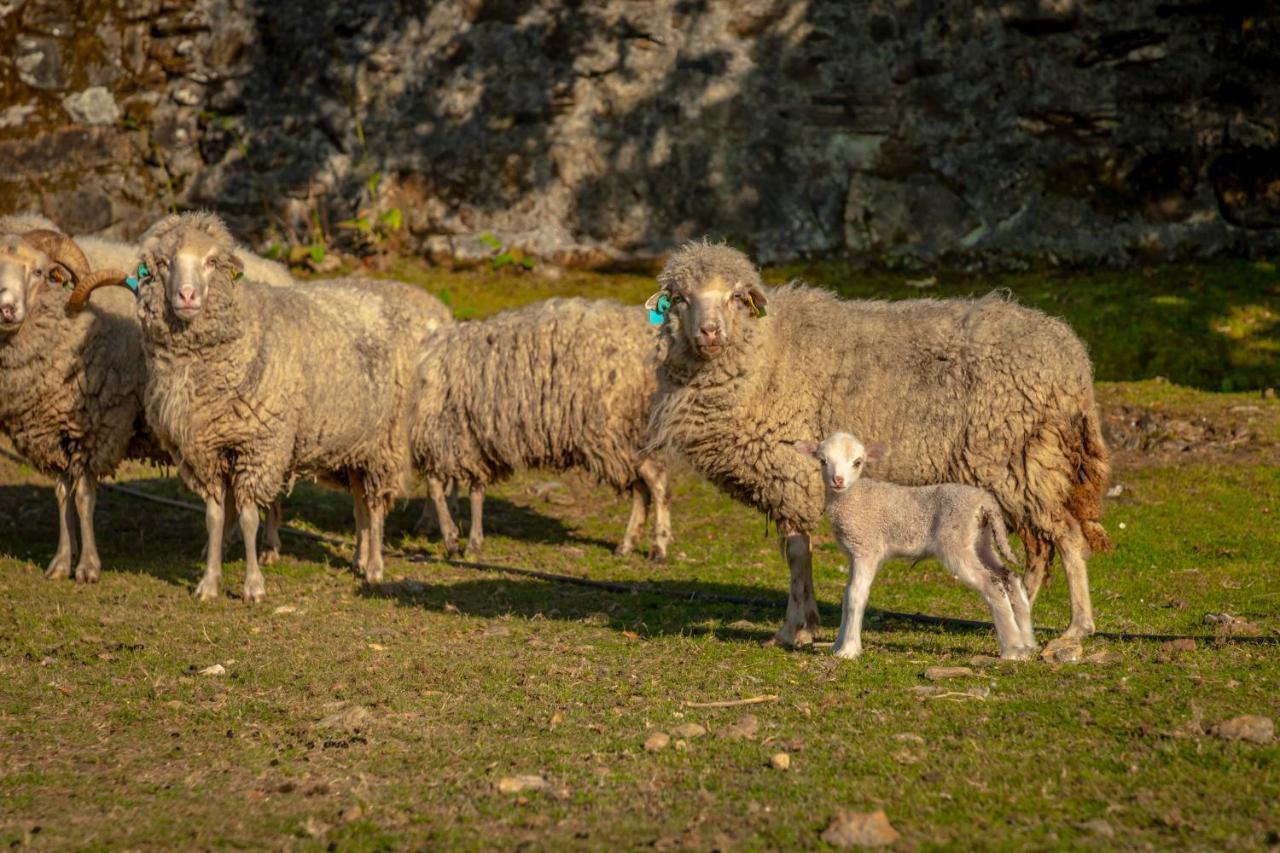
x: 187, y: 349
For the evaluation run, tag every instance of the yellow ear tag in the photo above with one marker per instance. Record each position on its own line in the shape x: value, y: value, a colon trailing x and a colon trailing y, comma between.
x: 758, y: 310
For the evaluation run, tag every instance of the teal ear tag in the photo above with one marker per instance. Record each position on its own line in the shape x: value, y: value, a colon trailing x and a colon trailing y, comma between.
x: 135, y: 281
x: 658, y: 313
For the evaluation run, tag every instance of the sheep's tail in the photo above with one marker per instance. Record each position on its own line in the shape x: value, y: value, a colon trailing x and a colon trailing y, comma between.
x: 989, y: 516
x: 1093, y: 468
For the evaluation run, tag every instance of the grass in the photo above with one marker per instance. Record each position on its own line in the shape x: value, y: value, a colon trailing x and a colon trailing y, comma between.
x: 353, y: 718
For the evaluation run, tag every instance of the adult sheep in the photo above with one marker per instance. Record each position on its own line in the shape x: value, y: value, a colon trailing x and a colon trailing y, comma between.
x: 982, y: 392
x: 70, y: 385
x: 252, y: 386
x: 564, y: 383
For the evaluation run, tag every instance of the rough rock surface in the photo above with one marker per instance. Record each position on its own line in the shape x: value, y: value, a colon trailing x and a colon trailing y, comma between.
x: 974, y: 132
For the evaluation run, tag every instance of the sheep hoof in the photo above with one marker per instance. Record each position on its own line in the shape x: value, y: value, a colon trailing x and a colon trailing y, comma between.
x: 269, y: 557
x: 792, y: 638
x: 623, y: 550
x: 474, y: 546
x: 59, y: 568
x: 206, y: 591
x: 88, y: 572
x: 1078, y: 631
x: 847, y: 652
x: 255, y: 593
x: 1019, y: 653
x: 657, y: 556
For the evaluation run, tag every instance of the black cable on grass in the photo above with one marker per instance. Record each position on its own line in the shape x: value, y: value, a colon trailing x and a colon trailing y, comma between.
x: 687, y: 595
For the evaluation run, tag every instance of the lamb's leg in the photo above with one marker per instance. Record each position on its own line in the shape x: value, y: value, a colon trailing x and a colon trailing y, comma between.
x: 89, y: 569
x: 214, y: 516
x: 448, y: 530
x: 1039, y: 559
x: 60, y: 565
x: 376, y: 515
x: 271, y: 553
x: 1073, y: 548
x: 475, y: 537
x: 801, y: 621
x: 1014, y: 589
x: 991, y: 584
x: 856, y: 592
x: 655, y: 480
x: 635, y: 523
x: 255, y: 588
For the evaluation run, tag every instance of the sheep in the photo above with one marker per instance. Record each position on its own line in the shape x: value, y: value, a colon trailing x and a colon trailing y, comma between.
x: 960, y: 525
x: 251, y: 386
x: 105, y: 253
x: 70, y: 385
x: 982, y: 392
x: 559, y: 384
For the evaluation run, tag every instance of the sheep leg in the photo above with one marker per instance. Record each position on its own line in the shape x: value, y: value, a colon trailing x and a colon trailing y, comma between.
x: 862, y: 572
x: 214, y: 516
x: 89, y: 569
x: 448, y: 530
x: 1073, y: 548
x: 1015, y: 590
x: 60, y: 565
x: 655, y: 480
x: 271, y: 553
x: 801, y: 621
x: 1039, y: 559
x: 360, y: 506
x: 255, y: 588
x: 635, y: 522
x: 991, y: 582
x: 375, y: 519
x: 475, y: 536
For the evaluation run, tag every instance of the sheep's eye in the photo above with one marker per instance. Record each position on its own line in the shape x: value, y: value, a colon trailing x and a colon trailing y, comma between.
x: 211, y: 261
x: 822, y: 461
x: 857, y: 463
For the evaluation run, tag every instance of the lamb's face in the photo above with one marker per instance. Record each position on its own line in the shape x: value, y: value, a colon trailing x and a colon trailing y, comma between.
x: 842, y: 458
x: 712, y: 292
x: 189, y: 269
x: 23, y: 270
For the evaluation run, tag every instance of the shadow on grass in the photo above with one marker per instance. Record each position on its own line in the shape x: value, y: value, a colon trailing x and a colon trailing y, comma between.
x: 502, y: 517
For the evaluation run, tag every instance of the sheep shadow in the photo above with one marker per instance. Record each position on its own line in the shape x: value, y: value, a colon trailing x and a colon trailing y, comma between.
x: 731, y: 612
x: 502, y: 517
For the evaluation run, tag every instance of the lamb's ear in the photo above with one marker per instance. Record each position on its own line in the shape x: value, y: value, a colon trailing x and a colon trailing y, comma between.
x: 808, y: 448
x: 234, y: 264
x: 876, y: 452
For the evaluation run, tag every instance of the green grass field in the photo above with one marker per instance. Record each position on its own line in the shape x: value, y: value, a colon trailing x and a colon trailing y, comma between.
x: 359, y: 719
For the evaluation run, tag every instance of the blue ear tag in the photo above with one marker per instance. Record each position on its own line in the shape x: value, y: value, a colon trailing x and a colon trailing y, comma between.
x: 658, y: 313
x: 135, y: 281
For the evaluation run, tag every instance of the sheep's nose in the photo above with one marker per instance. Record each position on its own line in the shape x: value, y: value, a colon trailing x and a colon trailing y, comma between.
x: 837, y: 481
x: 709, y: 330
x: 187, y: 295
x: 8, y: 313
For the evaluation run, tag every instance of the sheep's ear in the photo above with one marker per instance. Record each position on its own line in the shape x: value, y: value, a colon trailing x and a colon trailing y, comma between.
x: 755, y: 299
x: 876, y: 452
x: 808, y: 448
x: 235, y: 265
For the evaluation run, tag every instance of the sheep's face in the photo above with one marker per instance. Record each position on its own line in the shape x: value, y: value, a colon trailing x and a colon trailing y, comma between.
x: 842, y: 458
x: 186, y: 272
x: 24, y: 270
x: 711, y: 292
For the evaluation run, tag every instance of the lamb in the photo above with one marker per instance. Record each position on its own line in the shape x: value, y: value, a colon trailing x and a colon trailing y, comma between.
x: 70, y: 385
x: 959, y: 525
x: 252, y: 386
x: 105, y: 253
x: 563, y: 383
x: 982, y: 392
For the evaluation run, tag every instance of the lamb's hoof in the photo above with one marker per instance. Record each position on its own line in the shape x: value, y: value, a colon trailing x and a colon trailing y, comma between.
x: 1019, y: 653
x: 255, y: 593
x: 59, y: 568
x: 88, y: 572
x: 269, y: 557
x: 206, y: 591
x: 474, y: 546
x: 1078, y: 631
x: 373, y: 576
x: 623, y: 550
x: 847, y: 652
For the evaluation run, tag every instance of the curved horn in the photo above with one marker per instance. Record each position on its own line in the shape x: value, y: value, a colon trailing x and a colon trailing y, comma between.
x: 61, y: 249
x: 91, y: 282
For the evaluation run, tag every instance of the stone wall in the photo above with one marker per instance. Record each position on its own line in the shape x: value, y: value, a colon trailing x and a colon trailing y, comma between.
x: 968, y: 132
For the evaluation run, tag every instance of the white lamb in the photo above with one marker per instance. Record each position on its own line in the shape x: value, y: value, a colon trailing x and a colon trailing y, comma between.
x: 959, y: 525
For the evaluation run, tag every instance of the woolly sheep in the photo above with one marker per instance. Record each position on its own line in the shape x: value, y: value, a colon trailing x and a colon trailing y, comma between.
x: 70, y: 385
x: 959, y: 525
x: 252, y: 386
x: 982, y: 392
x: 559, y: 384
x: 105, y: 253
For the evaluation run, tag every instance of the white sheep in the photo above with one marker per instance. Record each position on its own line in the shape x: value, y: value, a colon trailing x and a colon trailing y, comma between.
x: 959, y: 525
